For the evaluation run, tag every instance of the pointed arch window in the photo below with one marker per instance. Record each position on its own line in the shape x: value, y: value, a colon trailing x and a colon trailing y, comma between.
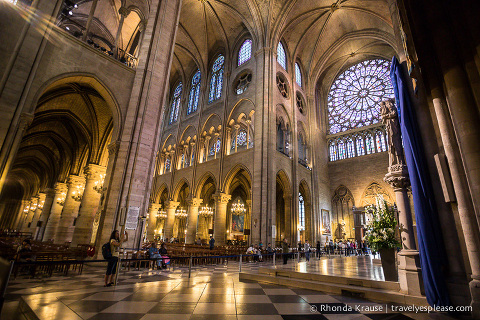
x: 380, y: 140
x: 341, y: 150
x: 360, y: 146
x: 369, y: 144
x: 216, y: 83
x: 333, y: 151
x: 350, y: 148
x: 245, y: 52
x: 215, y: 148
x: 281, y: 56
x: 194, y: 93
x: 175, y: 103
x: 167, y: 165
x: 298, y: 74
x: 301, y: 211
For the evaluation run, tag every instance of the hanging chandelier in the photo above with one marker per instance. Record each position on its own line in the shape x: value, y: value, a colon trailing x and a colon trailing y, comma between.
x: 238, y: 208
x: 77, y: 195
x: 61, y: 199
x: 99, y: 184
x: 206, y: 212
x: 162, y: 214
x: 181, y: 213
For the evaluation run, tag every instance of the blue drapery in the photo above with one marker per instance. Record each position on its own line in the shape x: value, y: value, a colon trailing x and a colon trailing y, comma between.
x: 430, y: 241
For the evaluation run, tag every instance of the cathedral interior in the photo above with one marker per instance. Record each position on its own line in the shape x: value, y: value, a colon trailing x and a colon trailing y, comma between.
x: 250, y: 121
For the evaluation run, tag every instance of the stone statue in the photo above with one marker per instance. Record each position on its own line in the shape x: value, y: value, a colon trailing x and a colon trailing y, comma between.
x: 389, y: 115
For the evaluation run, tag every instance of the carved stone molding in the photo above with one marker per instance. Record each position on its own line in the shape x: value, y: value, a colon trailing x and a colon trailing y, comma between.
x: 222, y: 198
x: 171, y: 204
x: 195, y: 202
x: 397, y: 177
x: 113, y: 148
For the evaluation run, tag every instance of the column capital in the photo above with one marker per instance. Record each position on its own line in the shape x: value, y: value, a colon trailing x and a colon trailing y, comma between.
x: 154, y: 207
x: 93, y: 171
x: 236, y: 126
x: 41, y: 196
x: 171, y: 204
x: 397, y: 176
x: 74, y: 180
x: 195, y: 202
x: 60, y: 187
x: 222, y: 198
x: 262, y: 50
x: 123, y: 11
x: 25, y: 120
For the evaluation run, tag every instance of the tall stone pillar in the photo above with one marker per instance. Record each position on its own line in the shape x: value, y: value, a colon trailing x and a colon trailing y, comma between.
x: 290, y: 221
x: 47, y: 207
x: 152, y: 219
x: 24, y: 210
x: 20, y: 215
x: 409, y: 271
x: 193, y: 205
x: 65, y: 226
x: 36, y: 216
x: 170, y: 207
x: 29, y: 216
x: 220, y: 228
x: 53, y: 220
x: 89, y: 205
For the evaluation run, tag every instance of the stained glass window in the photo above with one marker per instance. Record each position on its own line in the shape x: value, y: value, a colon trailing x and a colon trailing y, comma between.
x: 341, y: 150
x: 298, y: 74
x: 301, y: 210
x: 353, y: 100
x: 380, y: 140
x: 360, y: 146
x: 215, y: 147
x: 193, y: 158
x: 333, y: 151
x: 350, y: 148
x: 369, y: 143
x: 175, y: 103
x: 194, y: 93
x: 216, y: 83
x: 167, y: 165
x: 281, y: 56
x: 241, y: 138
x: 245, y: 52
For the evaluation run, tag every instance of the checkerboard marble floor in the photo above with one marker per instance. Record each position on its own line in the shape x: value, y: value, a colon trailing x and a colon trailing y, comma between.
x: 213, y: 292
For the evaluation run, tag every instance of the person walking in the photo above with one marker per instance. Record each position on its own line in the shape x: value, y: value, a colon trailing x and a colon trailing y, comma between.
x: 306, y: 247
x: 285, y: 251
x: 318, y: 249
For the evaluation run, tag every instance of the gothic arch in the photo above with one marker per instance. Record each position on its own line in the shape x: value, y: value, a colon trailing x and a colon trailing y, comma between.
x: 373, y: 190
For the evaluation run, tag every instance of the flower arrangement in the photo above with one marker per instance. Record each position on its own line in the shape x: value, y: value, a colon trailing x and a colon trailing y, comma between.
x: 380, y: 232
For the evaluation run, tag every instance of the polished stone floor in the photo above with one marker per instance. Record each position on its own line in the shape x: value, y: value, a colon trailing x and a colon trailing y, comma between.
x: 213, y: 292
x: 358, y: 267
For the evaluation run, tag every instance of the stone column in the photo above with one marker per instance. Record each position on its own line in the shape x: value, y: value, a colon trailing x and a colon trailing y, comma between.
x: 56, y: 211
x: 24, y: 211
x: 409, y: 271
x: 47, y: 207
x: 20, y: 215
x: 206, y: 152
x: 31, y: 212
x: 89, y: 20
x: 290, y: 221
x: 170, y: 207
x: 64, y: 231
x: 152, y: 218
x: 36, y: 216
x: 236, y: 127
x: 124, y: 12
x: 248, y: 132
x: 193, y: 205
x: 221, y: 201
x: 89, y: 205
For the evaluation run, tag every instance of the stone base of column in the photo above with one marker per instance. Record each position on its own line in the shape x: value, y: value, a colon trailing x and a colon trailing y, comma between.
x: 410, y: 273
x: 475, y: 292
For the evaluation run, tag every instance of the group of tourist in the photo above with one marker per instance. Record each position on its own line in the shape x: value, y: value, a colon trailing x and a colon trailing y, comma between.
x: 347, y: 247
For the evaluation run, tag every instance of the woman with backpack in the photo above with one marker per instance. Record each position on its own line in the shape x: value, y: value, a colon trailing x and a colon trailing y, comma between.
x: 115, y: 243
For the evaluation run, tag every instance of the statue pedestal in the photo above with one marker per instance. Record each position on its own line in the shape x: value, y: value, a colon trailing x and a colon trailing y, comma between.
x: 410, y: 273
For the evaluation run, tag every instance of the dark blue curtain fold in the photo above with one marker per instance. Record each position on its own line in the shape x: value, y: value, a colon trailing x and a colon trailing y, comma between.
x: 430, y: 240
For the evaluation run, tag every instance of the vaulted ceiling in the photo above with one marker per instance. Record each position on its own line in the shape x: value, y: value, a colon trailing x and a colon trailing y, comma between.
x: 325, y: 36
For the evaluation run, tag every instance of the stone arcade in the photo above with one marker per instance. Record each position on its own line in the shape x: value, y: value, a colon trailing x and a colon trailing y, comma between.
x: 250, y: 120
